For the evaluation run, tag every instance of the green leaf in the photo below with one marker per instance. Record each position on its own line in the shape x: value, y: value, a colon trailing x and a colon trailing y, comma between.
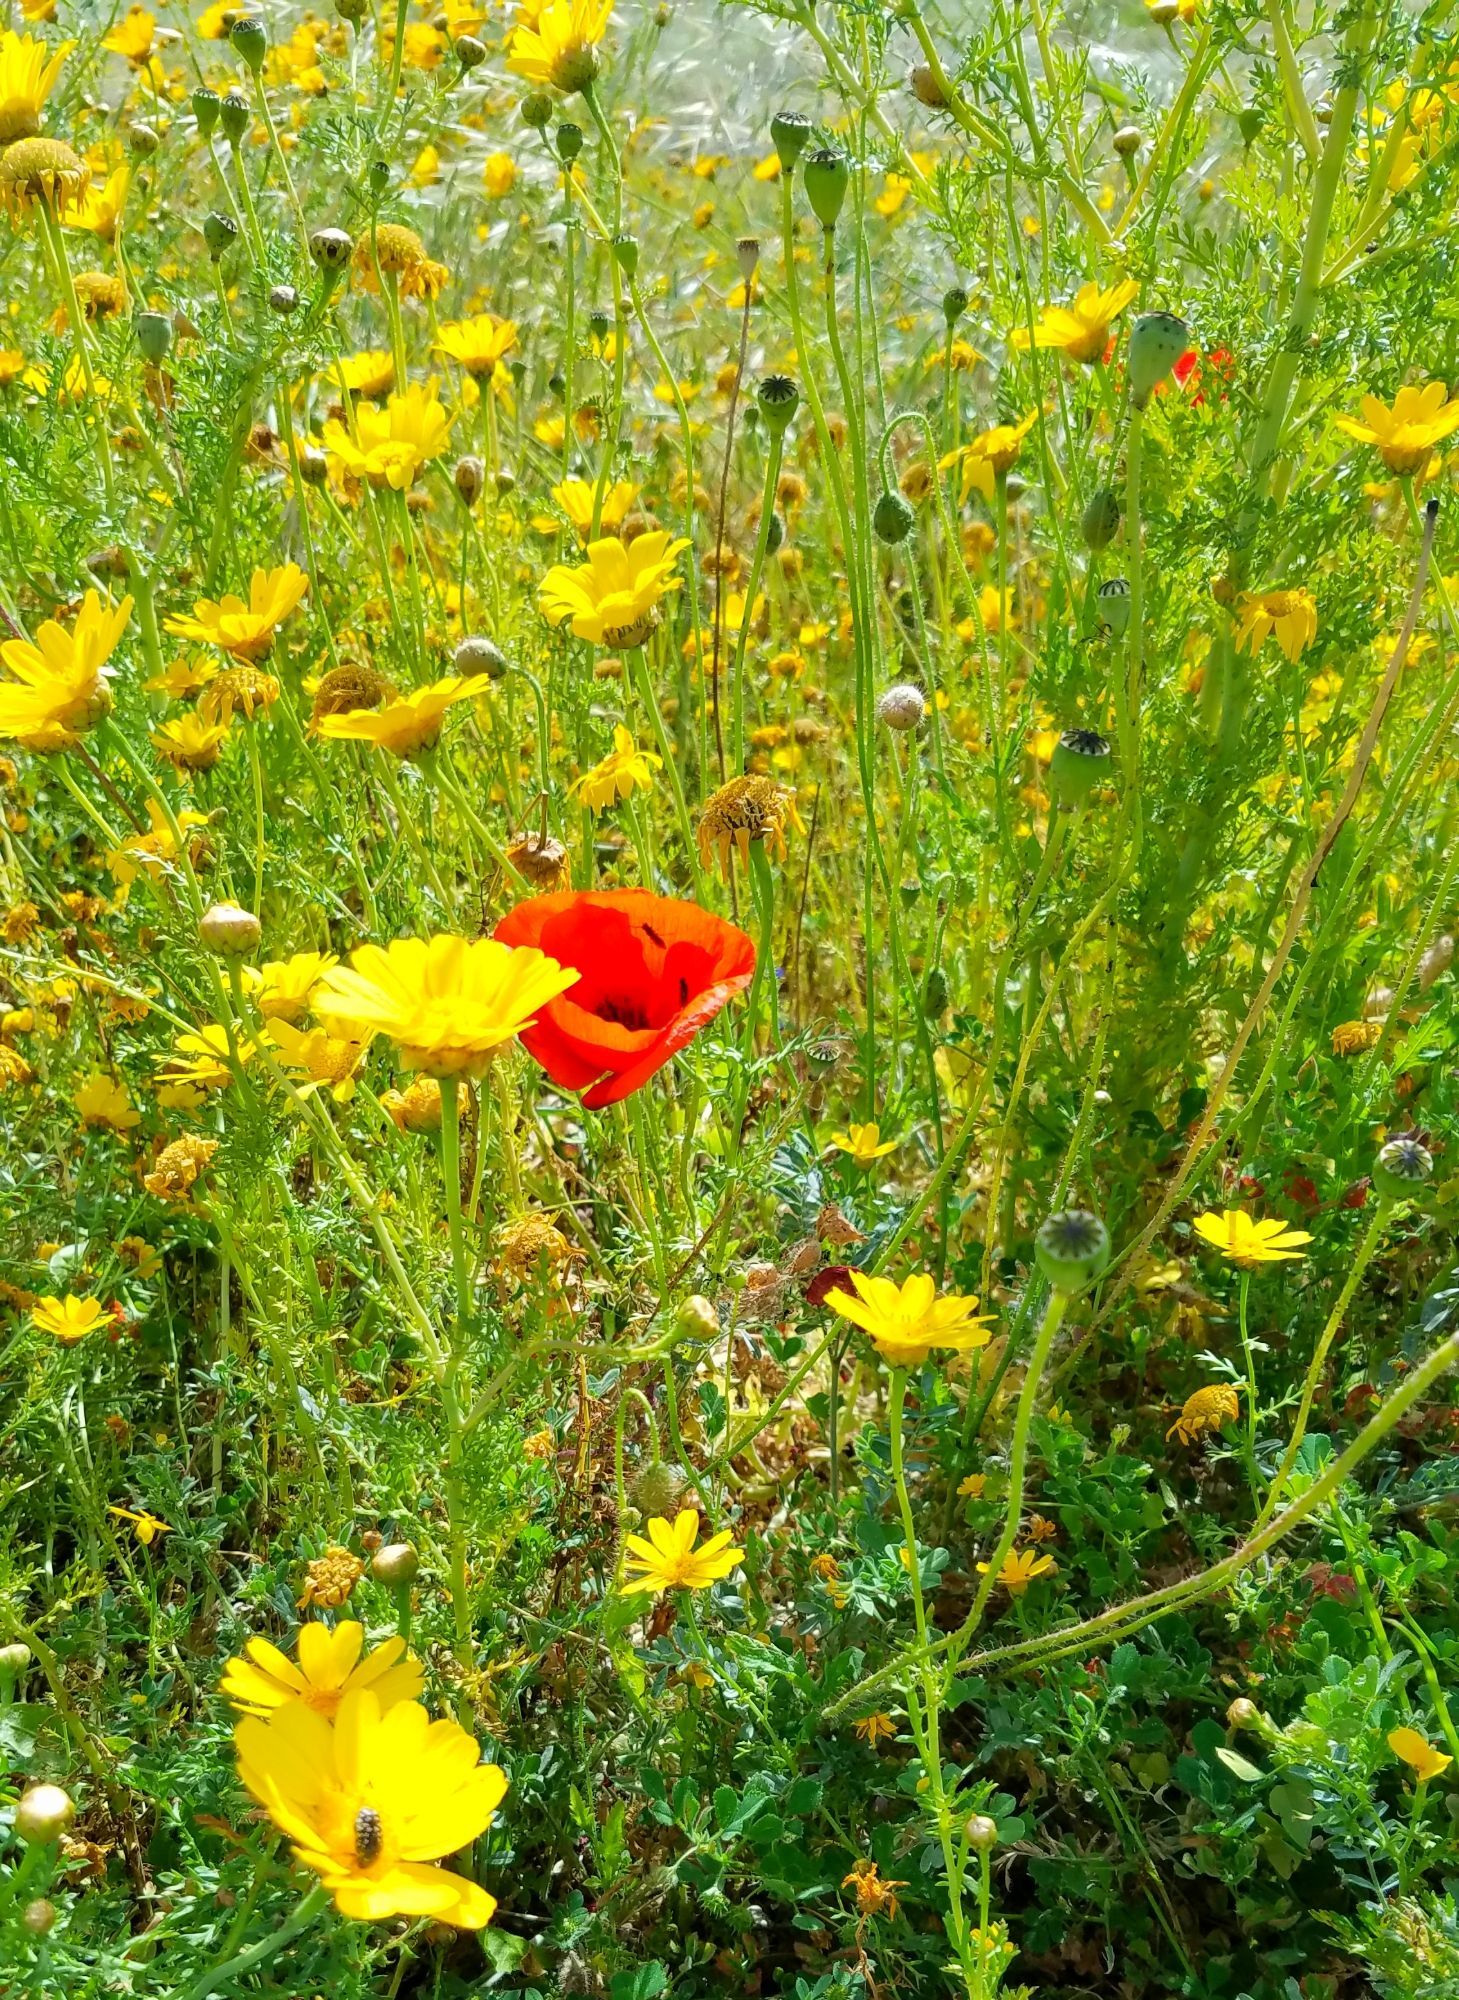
x: 1239, y: 1767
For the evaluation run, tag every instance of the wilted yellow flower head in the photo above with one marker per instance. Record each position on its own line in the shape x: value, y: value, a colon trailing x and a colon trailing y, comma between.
x: 1206, y: 1410
x: 747, y: 809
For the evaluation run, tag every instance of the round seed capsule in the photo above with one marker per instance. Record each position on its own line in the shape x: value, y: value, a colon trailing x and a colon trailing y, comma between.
x: 1071, y: 1249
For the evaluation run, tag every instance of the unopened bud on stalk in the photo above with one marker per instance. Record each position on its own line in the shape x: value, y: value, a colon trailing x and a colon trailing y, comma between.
x: 395, y: 1565
x: 790, y: 132
x: 143, y: 138
x: 1100, y: 521
x: 892, y: 518
x: 504, y: 481
x: 827, y: 177
x: 599, y: 323
x: 283, y: 300
x: 43, y: 1815
x: 625, y: 254
x: 775, y: 533
x: 1249, y: 121
x: 1080, y: 761
x: 233, y: 116
x: 228, y: 931
x: 378, y: 177
x: 331, y: 249
x: 1402, y: 1167
x: 313, y: 465
x: 1113, y: 600
x: 14, y: 1659
x: 925, y: 87
x: 902, y: 707
x: 470, y: 53
x: 206, y: 106
x: 569, y: 141
x: 351, y: 10
x: 219, y: 232
x: 982, y: 1833
x: 480, y: 656
x: 1243, y: 1714
x: 1128, y: 141
x: 154, y: 335
x: 469, y: 478
x: 778, y: 399
x: 1163, y: 12
x: 249, y: 37
x: 747, y: 255
x: 1071, y: 1248
x: 954, y: 305
x: 39, y: 1916
x: 696, y: 1318
x: 935, y: 993
x: 1157, y: 341
x: 536, y: 109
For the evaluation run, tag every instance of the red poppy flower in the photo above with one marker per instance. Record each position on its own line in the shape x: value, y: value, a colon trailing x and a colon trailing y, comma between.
x: 654, y: 971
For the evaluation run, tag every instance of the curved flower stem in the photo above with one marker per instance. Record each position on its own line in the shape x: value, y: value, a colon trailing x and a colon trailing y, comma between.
x: 263, y: 1951
x: 757, y: 565
x: 644, y: 686
x: 1325, y: 1339
x: 925, y: 1715
x: 1017, y: 1465
x: 454, y: 1483
x: 1120, y: 1620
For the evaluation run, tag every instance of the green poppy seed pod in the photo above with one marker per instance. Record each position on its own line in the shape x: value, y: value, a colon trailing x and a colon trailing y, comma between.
x: 747, y: 255
x: 1081, y: 760
x: 469, y: 478
x: 351, y: 10
x: 154, y: 335
x: 599, y: 324
x: 1243, y: 1714
x: 657, y: 1491
x: 982, y: 1833
x: 206, y: 106
x: 827, y: 177
x: 228, y: 931
x: 331, y: 249
x: 39, y: 1916
x: 625, y: 255
x: 954, y: 305
x: 1163, y: 12
x: 218, y: 232
x: 790, y: 133
x: 470, y: 53
x: 536, y: 109
x: 1157, y: 341
x: 249, y: 37
x: 233, y: 116
x: 569, y: 141
x: 395, y: 1565
x: 775, y: 533
x: 14, y: 1660
x: 1100, y: 521
x: 1402, y: 1167
x: 504, y: 481
x: 892, y: 518
x: 696, y: 1318
x: 477, y: 655
x: 1113, y: 601
x: 283, y: 300
x: 911, y: 891
x: 1128, y: 141
x: 43, y: 1815
x: 935, y: 993
x: 1249, y: 121
x: 377, y: 177
x: 778, y: 399
x: 1071, y: 1249
x: 902, y: 707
